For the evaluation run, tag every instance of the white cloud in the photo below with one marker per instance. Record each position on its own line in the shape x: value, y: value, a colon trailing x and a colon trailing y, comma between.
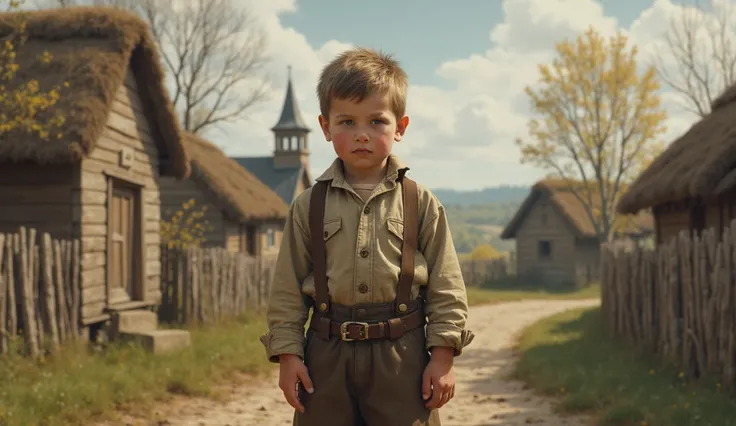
x: 467, y: 131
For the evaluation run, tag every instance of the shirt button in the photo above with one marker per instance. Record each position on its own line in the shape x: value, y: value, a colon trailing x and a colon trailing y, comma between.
x: 367, y: 210
x: 364, y: 253
x: 363, y: 288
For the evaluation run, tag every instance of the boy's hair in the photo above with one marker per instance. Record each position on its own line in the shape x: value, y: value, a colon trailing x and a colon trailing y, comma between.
x: 359, y: 73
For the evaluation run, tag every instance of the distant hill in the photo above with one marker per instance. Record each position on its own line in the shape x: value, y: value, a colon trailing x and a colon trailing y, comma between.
x: 477, y: 217
x: 497, y: 194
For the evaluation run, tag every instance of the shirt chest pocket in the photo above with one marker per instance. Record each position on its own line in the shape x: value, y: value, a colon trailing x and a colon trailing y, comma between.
x: 331, y: 228
x: 395, y: 237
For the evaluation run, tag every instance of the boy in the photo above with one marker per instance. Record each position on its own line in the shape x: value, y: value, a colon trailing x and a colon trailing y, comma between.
x: 370, y: 251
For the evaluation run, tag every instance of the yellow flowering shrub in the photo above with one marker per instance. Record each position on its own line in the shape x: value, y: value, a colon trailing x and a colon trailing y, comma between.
x: 25, y: 105
x: 185, y: 228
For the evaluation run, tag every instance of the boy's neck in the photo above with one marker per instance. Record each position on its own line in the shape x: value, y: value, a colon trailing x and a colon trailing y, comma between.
x: 365, y: 176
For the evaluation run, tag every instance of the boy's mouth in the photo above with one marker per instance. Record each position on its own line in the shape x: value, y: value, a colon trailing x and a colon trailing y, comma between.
x: 362, y: 151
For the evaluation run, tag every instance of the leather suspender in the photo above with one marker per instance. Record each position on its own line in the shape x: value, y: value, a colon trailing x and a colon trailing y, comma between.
x: 411, y: 231
x: 317, y: 201
x: 319, y: 253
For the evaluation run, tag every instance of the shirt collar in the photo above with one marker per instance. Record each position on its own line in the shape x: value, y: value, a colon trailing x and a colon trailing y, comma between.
x: 395, y: 170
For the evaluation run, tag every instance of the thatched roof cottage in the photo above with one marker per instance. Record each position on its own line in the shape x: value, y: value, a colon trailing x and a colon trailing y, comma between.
x: 100, y: 181
x: 692, y: 184
x: 242, y: 213
x: 556, y: 242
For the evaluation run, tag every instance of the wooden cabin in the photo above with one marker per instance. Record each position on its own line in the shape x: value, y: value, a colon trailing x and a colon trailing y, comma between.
x: 242, y: 213
x: 691, y: 186
x: 556, y: 242
x: 98, y: 179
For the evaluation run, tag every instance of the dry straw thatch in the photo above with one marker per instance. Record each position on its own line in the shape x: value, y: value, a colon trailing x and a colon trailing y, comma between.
x: 698, y: 164
x: 236, y: 189
x: 92, y: 48
x: 573, y: 211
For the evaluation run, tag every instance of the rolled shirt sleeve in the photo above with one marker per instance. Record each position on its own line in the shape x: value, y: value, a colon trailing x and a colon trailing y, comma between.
x: 447, y: 305
x: 287, y: 307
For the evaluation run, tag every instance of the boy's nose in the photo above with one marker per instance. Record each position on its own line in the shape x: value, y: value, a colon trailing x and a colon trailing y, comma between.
x: 361, y: 137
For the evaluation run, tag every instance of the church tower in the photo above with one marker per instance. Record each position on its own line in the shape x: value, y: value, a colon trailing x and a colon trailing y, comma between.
x: 290, y: 134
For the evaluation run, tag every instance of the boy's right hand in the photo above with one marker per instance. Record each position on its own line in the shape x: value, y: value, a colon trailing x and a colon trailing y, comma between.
x: 292, y: 371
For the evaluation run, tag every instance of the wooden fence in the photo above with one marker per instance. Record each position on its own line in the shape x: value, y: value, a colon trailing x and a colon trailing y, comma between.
x: 205, y: 285
x: 39, y: 292
x: 678, y: 301
x: 479, y: 272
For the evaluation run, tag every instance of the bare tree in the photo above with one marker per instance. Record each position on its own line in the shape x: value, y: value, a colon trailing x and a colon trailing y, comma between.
x: 213, y: 51
x: 699, y: 60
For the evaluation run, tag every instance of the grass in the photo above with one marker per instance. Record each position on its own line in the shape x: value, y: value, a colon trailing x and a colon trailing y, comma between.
x: 78, y: 385
x: 571, y: 356
x: 509, y: 291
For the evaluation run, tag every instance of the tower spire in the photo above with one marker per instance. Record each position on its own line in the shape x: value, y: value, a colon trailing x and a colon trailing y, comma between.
x: 291, y: 116
x: 290, y: 132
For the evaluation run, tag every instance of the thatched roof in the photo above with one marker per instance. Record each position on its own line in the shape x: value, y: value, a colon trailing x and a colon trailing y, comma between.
x: 573, y: 212
x: 236, y: 189
x: 699, y: 164
x: 92, y: 49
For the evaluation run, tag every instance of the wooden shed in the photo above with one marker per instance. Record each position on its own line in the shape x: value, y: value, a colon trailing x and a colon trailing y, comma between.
x: 556, y: 242
x: 691, y: 186
x: 243, y: 214
x: 99, y: 182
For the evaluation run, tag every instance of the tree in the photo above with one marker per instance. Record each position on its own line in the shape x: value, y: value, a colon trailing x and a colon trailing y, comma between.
x: 698, y: 60
x: 598, y: 122
x: 186, y: 228
x: 25, y: 106
x: 213, y: 51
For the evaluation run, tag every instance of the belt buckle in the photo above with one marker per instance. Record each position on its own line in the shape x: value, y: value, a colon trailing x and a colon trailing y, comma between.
x: 344, y: 330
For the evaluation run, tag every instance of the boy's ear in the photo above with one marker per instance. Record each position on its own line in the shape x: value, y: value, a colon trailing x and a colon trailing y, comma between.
x: 325, y: 126
x: 401, y: 128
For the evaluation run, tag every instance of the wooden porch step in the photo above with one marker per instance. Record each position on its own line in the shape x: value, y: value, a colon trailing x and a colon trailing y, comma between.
x: 135, y: 321
x: 127, y: 306
x: 161, y: 341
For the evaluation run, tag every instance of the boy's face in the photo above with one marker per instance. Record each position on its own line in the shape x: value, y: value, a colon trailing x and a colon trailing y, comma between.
x: 363, y: 133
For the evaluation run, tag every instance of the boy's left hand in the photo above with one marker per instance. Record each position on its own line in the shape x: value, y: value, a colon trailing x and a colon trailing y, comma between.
x: 438, y: 380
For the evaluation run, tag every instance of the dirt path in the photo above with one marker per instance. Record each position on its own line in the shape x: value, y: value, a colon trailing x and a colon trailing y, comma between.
x: 483, y: 397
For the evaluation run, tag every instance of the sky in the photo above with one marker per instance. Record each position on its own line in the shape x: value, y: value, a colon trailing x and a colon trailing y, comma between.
x: 468, y: 62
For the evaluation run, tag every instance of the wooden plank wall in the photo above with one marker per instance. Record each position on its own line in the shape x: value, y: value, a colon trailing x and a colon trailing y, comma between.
x: 38, y: 197
x: 127, y: 127
x: 544, y: 223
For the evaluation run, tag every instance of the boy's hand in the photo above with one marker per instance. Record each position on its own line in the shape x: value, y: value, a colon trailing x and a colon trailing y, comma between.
x: 439, y: 380
x: 292, y: 371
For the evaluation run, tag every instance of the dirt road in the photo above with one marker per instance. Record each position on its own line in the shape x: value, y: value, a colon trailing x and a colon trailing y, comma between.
x: 483, y: 396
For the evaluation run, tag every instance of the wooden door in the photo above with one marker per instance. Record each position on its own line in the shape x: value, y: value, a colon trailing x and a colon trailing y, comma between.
x: 247, y: 239
x: 122, y: 238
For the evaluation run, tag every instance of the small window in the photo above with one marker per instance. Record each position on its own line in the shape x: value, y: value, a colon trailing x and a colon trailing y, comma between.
x: 271, y: 238
x: 545, y: 249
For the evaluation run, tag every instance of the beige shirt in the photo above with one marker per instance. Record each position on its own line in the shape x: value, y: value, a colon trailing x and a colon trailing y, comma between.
x: 375, y: 224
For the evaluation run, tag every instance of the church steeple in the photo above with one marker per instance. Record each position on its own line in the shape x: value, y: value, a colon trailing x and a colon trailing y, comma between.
x: 290, y: 133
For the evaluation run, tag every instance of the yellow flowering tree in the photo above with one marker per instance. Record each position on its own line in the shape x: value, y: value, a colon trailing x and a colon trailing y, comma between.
x: 484, y: 252
x: 599, y: 120
x: 186, y: 228
x: 24, y: 105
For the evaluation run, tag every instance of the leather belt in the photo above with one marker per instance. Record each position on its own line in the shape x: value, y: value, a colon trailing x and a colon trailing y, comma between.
x: 350, y: 331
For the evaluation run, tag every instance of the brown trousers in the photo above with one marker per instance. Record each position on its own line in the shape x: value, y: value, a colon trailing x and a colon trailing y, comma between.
x: 369, y: 382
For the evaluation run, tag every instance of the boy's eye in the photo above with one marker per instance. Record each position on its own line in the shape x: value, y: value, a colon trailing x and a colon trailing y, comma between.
x: 347, y: 122
x: 377, y: 121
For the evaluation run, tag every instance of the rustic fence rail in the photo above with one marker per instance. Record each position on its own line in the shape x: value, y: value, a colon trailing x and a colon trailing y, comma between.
x: 483, y: 271
x: 39, y: 291
x: 677, y: 301
x: 209, y: 284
